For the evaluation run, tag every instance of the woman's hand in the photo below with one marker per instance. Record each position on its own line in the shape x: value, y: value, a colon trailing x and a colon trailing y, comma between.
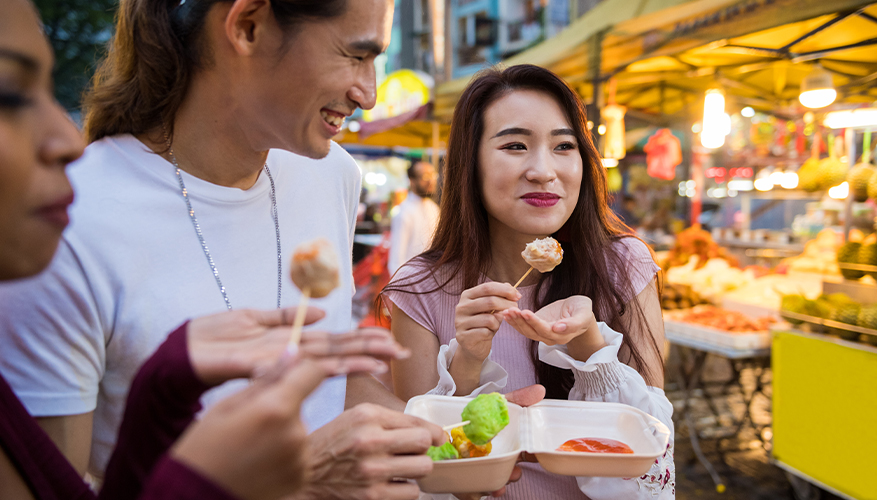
x: 476, y: 319
x: 242, y: 343
x: 478, y: 316
x: 568, y: 322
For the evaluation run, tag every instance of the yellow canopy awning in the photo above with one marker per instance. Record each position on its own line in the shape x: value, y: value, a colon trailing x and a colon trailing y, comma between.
x: 665, y: 54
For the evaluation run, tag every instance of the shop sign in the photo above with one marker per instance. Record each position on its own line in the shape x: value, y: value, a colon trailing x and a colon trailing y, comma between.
x: 403, y: 91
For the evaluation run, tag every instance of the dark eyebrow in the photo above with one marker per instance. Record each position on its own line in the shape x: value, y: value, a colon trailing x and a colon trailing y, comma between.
x: 30, y: 64
x: 513, y: 131
x: 370, y: 46
x: 563, y: 131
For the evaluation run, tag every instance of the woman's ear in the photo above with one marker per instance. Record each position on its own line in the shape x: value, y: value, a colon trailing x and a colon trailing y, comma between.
x: 246, y: 24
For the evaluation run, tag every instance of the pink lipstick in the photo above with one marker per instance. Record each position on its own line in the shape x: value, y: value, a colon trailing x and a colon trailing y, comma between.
x: 541, y: 199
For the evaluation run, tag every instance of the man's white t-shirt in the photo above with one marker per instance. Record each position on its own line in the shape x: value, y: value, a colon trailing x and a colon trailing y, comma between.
x: 411, y: 229
x: 130, y: 269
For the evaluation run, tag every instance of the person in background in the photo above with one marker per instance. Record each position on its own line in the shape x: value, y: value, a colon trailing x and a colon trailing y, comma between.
x: 253, y: 444
x: 412, y: 227
x: 209, y: 160
x: 627, y: 211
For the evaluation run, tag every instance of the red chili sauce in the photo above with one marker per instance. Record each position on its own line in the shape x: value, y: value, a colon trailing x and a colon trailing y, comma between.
x: 595, y: 445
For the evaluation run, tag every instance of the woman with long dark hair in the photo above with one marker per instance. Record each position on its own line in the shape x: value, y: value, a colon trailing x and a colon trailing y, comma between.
x: 520, y: 166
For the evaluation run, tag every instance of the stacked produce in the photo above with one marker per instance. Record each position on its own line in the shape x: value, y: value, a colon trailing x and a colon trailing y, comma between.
x: 863, y: 174
x: 721, y: 319
x: 694, y: 241
x: 677, y: 296
x: 711, y: 279
x: 820, y: 175
x: 766, y: 292
x: 819, y: 256
x: 858, y: 251
x: 836, y: 307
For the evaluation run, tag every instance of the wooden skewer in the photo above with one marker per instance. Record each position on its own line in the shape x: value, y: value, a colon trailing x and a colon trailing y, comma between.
x: 449, y: 428
x: 518, y: 283
x: 522, y: 278
x: 299, y: 321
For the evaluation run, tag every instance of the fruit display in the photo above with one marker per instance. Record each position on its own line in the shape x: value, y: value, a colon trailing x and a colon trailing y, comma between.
x: 858, y: 179
x: 711, y: 279
x: 819, y: 256
x: 847, y: 314
x: 868, y: 319
x: 694, y: 241
x: 815, y: 175
x: 768, y: 291
x: 868, y: 257
x: 721, y: 319
x: 830, y: 310
x: 676, y: 296
x: 848, y: 253
x: 861, y: 252
x: 862, y: 173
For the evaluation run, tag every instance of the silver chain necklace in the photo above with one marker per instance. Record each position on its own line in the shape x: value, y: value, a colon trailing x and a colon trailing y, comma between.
x: 197, y: 226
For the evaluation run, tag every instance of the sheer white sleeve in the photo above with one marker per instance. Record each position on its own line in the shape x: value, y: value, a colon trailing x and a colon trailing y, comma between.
x: 493, y: 376
x: 604, y: 378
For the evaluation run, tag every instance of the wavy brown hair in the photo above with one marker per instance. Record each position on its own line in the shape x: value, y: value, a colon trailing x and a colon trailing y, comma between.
x: 462, y: 245
x: 157, y: 47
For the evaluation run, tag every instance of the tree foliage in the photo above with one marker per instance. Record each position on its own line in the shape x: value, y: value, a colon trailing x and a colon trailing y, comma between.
x: 78, y: 31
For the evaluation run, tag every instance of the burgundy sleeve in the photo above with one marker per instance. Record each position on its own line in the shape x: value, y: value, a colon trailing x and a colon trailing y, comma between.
x: 172, y: 480
x: 162, y: 402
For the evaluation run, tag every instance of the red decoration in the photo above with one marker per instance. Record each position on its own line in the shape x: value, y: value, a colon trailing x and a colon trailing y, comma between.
x: 663, y: 154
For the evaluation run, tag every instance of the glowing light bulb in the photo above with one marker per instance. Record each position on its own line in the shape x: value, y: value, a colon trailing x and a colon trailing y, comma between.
x: 716, y: 123
x: 840, y: 192
x: 790, y: 180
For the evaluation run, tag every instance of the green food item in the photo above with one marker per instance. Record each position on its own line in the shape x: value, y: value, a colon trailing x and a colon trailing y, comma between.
x: 443, y: 452
x: 825, y: 306
x: 868, y: 317
x: 487, y: 415
x: 858, y: 179
x: 794, y: 304
x: 868, y: 256
x: 848, y: 314
x: 849, y: 254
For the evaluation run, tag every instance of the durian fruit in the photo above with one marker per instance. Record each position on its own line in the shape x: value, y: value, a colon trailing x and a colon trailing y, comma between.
x: 872, y: 187
x: 848, y: 253
x: 868, y: 257
x: 808, y: 175
x: 794, y: 304
x: 848, y: 314
x: 831, y: 170
x: 868, y: 319
x: 861, y: 173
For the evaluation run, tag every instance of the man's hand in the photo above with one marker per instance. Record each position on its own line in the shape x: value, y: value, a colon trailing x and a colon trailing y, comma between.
x: 362, y: 453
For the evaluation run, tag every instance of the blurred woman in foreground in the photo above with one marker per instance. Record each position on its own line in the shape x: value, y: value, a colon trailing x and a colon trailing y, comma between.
x: 248, y: 446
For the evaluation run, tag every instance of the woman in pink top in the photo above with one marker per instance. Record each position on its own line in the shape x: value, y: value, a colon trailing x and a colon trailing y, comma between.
x: 520, y: 166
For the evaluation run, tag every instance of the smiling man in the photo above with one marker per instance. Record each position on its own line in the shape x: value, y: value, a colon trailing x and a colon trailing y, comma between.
x: 210, y: 159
